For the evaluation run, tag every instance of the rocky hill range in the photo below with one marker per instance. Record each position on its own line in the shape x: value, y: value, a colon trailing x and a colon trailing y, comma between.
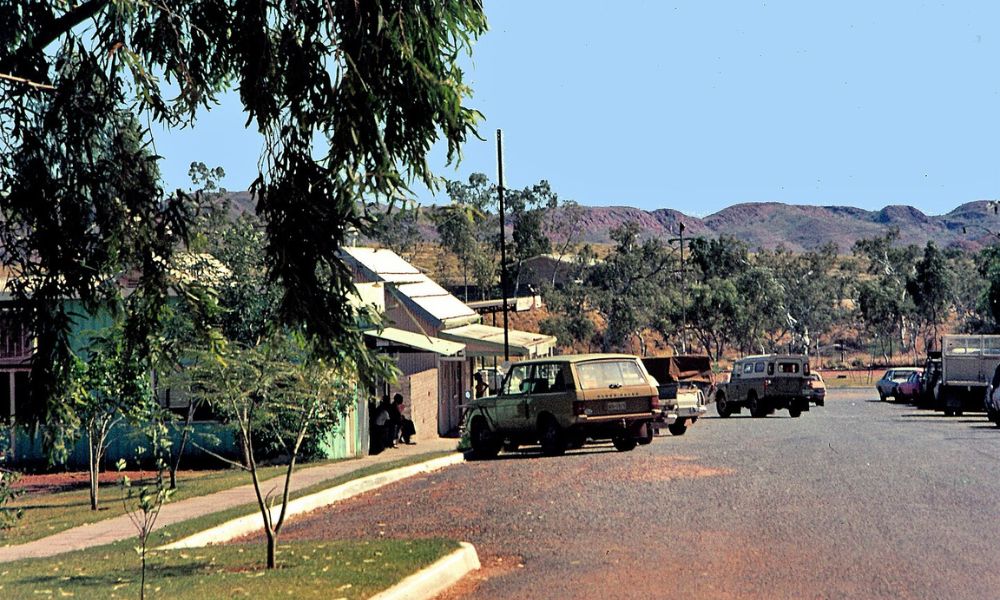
x: 797, y: 227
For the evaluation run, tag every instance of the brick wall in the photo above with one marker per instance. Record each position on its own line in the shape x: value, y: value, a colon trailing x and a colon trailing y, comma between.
x: 420, y: 393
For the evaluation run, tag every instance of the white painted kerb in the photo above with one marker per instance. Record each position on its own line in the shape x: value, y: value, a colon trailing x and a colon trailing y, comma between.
x: 244, y: 525
x: 428, y: 583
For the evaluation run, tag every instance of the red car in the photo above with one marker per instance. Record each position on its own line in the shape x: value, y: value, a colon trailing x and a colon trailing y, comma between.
x: 907, y: 391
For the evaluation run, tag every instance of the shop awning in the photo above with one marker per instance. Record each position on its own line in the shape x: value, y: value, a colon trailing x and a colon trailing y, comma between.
x: 484, y: 340
x: 392, y: 338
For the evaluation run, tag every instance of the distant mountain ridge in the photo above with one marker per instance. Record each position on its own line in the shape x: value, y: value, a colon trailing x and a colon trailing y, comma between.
x: 798, y: 227
x: 802, y: 227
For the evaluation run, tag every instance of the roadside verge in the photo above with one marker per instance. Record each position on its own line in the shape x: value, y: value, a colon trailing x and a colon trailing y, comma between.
x: 241, y: 526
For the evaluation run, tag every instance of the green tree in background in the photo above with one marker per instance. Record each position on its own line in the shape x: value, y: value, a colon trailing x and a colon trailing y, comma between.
x: 398, y: 229
x: 931, y: 288
x: 627, y: 288
x: 809, y: 292
x: 466, y: 228
x: 885, y: 307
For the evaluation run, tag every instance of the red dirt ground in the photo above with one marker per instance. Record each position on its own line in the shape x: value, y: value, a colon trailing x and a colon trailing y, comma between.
x: 50, y: 483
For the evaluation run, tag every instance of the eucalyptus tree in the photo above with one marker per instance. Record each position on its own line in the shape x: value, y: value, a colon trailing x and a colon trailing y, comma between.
x: 809, y: 290
x: 348, y: 97
x: 626, y: 287
x: 464, y: 227
x: 885, y: 307
x: 931, y: 288
x: 562, y: 226
x: 398, y: 228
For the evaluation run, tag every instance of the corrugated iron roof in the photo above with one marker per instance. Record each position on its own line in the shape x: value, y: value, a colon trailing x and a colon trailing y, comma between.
x: 412, y: 285
x: 485, y: 339
x: 383, y: 262
x: 417, y: 341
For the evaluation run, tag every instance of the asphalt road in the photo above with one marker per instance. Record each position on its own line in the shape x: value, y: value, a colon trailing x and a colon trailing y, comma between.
x: 859, y: 499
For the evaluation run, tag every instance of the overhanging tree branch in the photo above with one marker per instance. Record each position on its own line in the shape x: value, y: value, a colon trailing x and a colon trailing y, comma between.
x: 51, y: 31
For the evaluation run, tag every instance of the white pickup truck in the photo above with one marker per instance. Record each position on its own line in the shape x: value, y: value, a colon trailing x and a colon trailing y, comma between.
x: 686, y: 385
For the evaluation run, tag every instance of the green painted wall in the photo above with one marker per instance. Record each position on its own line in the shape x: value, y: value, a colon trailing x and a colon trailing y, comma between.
x: 123, y: 442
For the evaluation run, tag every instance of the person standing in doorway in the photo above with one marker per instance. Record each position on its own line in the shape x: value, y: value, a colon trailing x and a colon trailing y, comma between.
x: 404, y: 427
x: 482, y: 388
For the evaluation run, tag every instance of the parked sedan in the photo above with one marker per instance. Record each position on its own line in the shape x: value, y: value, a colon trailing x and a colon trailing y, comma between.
x: 818, y: 387
x: 887, y: 385
x: 909, y: 389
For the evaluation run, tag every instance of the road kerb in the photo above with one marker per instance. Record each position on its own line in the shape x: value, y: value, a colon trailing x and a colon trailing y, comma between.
x: 241, y: 526
x: 431, y: 581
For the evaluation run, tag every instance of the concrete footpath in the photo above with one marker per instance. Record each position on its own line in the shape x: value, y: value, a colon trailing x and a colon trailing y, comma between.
x: 121, y: 528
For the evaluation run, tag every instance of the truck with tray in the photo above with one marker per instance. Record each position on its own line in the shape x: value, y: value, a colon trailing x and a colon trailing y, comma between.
x: 686, y: 384
x: 967, y: 365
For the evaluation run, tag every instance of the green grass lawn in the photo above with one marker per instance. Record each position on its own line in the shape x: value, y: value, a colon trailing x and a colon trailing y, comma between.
x: 335, y: 569
x: 49, y: 513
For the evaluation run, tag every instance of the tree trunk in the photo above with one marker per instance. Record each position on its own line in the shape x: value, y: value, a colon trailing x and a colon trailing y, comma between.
x: 272, y: 543
x: 176, y: 463
x: 93, y: 460
x: 465, y: 278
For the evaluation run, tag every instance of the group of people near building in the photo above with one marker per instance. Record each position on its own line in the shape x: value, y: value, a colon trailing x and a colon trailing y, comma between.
x: 389, y: 427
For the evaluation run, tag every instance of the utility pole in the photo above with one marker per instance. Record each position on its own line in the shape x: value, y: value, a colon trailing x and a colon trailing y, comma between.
x: 683, y: 273
x: 503, y: 246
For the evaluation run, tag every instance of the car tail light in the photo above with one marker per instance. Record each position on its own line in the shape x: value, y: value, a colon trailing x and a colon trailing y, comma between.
x: 767, y: 382
x: 654, y: 402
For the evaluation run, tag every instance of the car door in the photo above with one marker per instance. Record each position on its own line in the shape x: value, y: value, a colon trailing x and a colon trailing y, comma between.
x: 512, y: 402
x: 884, y: 385
x: 551, y: 392
x: 737, y: 386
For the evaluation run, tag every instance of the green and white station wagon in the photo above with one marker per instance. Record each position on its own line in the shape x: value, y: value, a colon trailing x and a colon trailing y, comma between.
x: 562, y: 402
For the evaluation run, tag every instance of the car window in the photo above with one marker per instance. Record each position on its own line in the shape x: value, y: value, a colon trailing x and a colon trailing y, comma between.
x: 748, y: 368
x: 759, y: 367
x: 788, y: 367
x: 631, y: 374
x: 605, y: 374
x: 597, y: 375
x: 550, y: 377
x: 516, y: 382
x: 888, y: 375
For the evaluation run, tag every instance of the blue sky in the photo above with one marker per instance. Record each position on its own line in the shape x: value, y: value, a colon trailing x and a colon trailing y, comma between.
x: 699, y: 105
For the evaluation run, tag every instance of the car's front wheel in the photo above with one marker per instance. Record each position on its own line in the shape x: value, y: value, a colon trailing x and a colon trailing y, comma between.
x: 484, y: 443
x: 722, y: 406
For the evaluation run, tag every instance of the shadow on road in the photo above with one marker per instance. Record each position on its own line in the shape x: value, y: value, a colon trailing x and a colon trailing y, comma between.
x: 536, y: 453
